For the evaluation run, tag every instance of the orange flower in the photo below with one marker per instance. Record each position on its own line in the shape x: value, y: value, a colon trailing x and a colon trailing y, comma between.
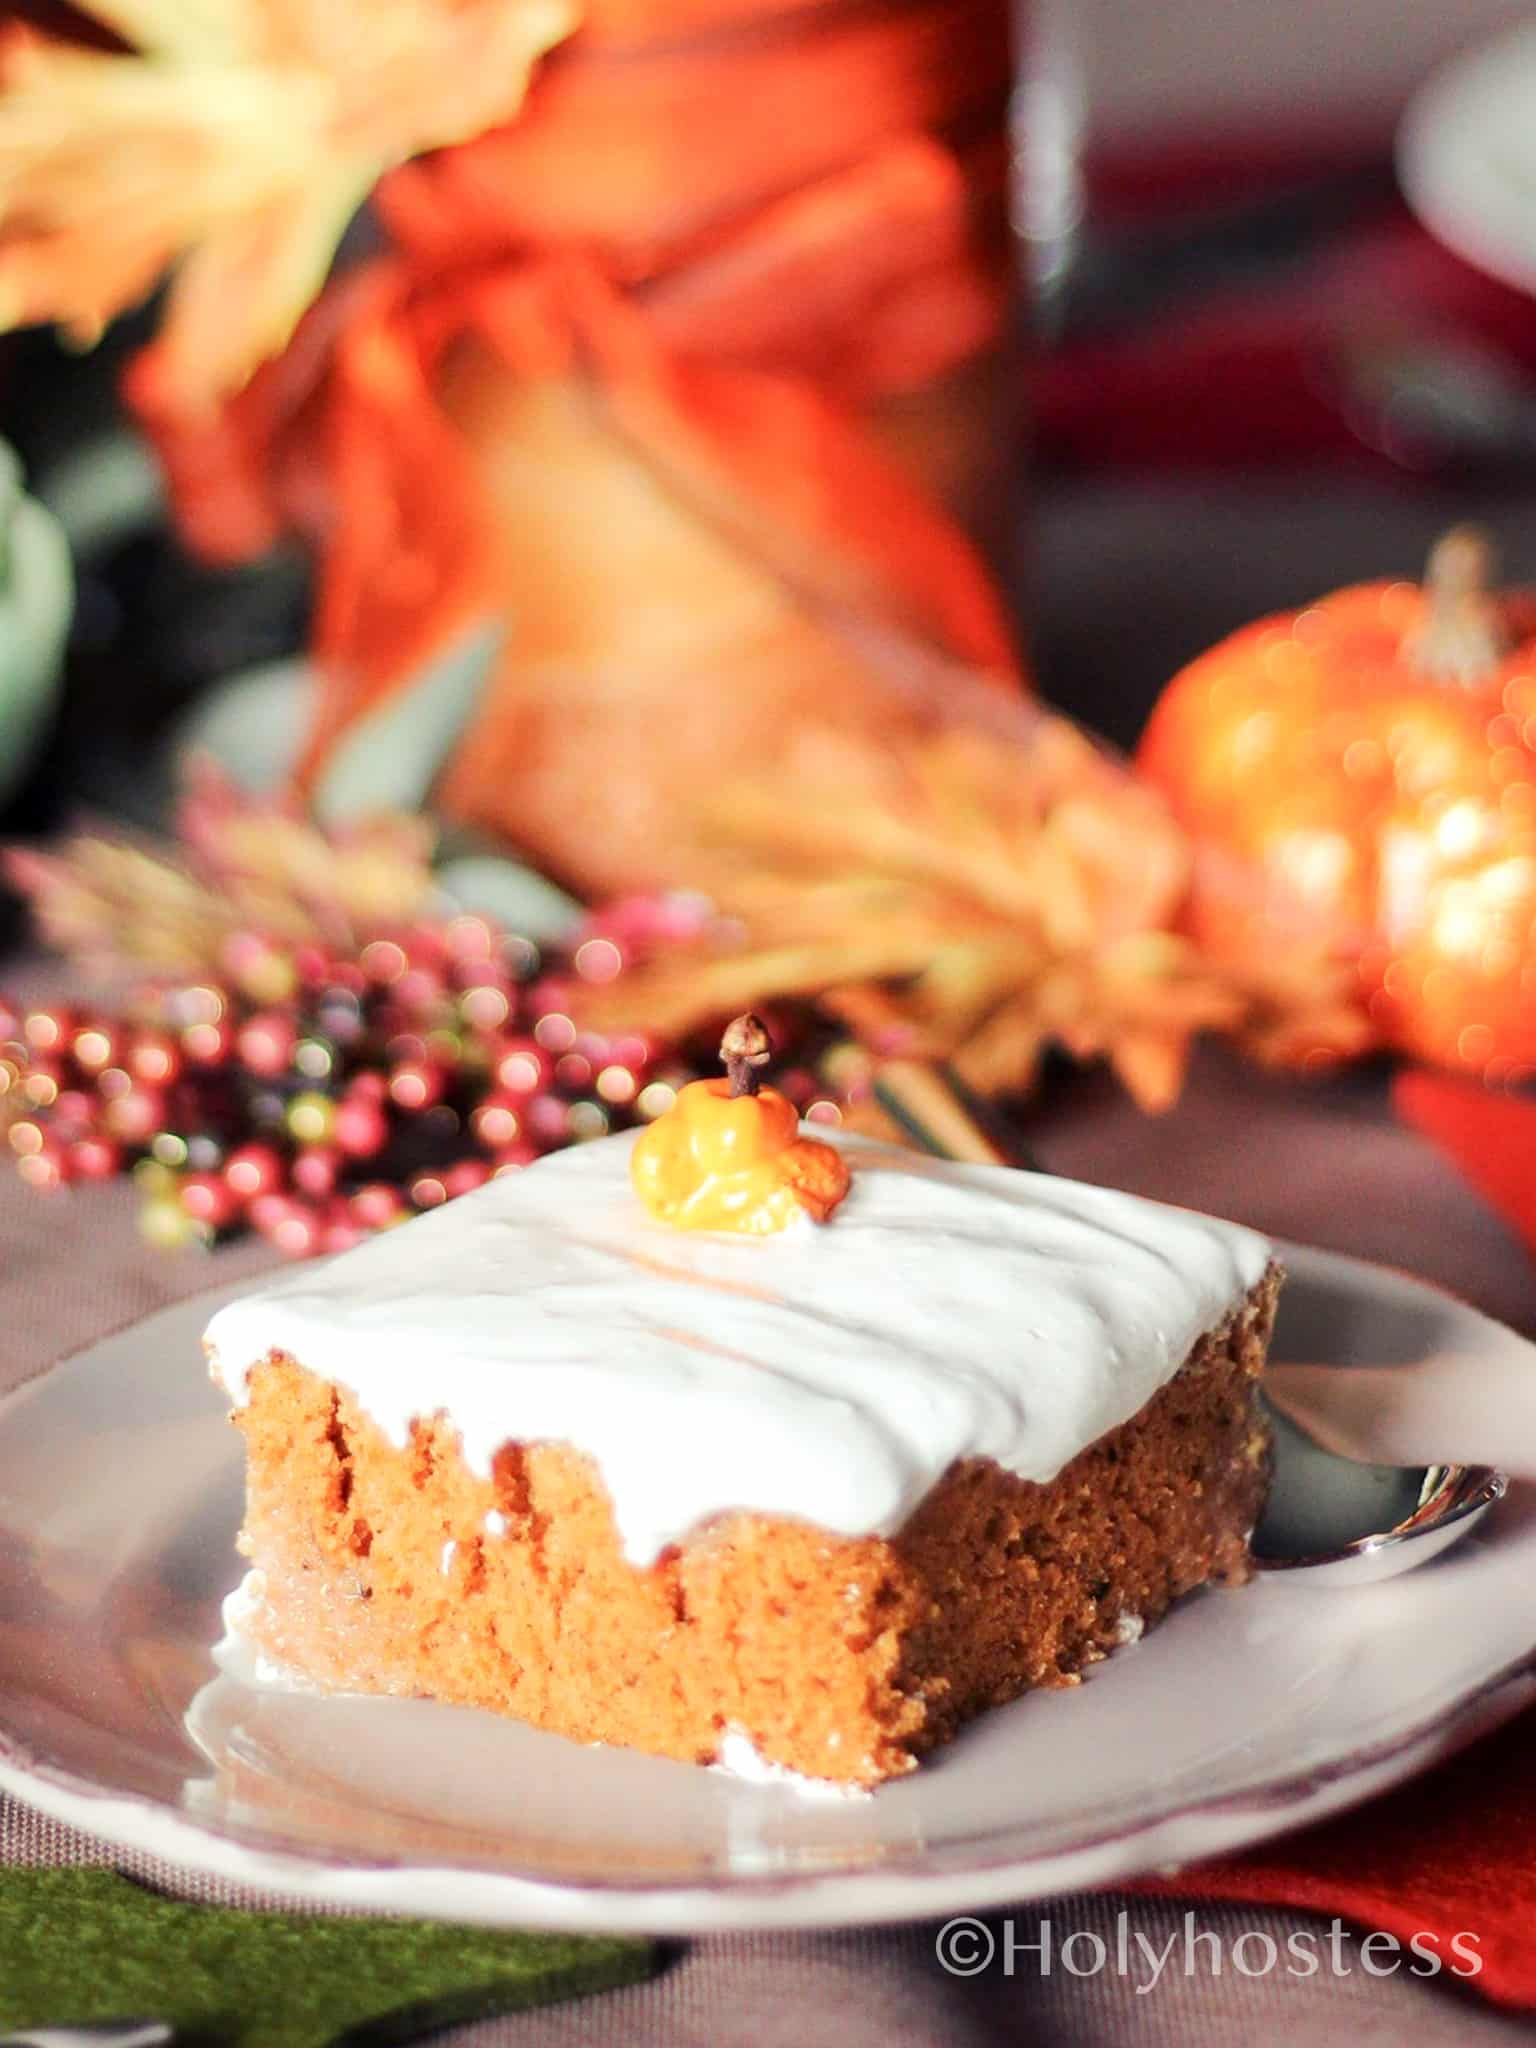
x: 230, y: 144
x: 978, y: 896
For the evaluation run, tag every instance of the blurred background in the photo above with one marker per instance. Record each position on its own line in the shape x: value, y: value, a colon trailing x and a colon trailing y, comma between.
x: 1328, y: 332
x: 1307, y: 73
x: 1223, y: 245
x: 750, y: 457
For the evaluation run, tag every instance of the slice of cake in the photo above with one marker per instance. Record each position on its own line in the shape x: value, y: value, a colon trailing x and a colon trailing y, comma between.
x: 636, y: 1449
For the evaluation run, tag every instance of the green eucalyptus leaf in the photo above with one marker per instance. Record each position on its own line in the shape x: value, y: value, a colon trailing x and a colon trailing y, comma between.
x: 515, y: 896
x: 108, y: 486
x: 389, y: 760
x: 37, y: 595
x: 252, y: 723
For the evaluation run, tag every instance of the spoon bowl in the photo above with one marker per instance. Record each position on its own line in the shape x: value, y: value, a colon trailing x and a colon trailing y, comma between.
x: 1334, y: 1521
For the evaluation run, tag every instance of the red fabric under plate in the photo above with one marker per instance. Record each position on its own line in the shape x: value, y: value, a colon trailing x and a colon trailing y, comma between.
x: 1454, y: 1852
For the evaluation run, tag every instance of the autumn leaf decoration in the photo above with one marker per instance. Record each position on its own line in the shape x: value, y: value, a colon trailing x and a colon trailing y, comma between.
x: 970, y: 898
x: 228, y: 142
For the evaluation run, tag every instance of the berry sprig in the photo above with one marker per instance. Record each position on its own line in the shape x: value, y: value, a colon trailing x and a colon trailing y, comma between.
x: 315, y: 1095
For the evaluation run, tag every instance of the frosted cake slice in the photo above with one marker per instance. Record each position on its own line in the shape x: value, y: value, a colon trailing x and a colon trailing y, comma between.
x: 829, y: 1489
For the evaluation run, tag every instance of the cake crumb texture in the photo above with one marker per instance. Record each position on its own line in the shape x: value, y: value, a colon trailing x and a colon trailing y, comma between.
x: 400, y: 1570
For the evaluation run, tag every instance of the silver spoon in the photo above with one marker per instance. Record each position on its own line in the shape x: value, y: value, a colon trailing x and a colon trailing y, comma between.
x: 1359, y: 1427
x: 1353, y: 1497
x: 1336, y: 1520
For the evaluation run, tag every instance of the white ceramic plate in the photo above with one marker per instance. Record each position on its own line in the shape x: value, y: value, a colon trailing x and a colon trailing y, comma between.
x: 1466, y: 156
x: 1244, y: 1714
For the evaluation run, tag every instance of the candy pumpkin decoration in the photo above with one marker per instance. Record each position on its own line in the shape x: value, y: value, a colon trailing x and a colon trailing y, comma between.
x: 728, y: 1154
x: 1366, y: 768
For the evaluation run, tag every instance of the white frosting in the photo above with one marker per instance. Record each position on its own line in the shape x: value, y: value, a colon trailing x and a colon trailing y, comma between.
x: 831, y: 1372
x: 237, y: 1653
x: 739, y: 1757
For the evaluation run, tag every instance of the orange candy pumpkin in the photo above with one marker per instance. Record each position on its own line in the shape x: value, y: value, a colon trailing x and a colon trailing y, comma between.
x: 1365, y: 771
x: 728, y: 1154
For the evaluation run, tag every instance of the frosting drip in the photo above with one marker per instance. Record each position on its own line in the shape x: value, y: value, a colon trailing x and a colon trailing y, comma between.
x: 831, y: 1374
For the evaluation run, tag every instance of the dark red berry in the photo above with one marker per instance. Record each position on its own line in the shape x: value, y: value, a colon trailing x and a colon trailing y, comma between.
x: 524, y: 1068
x: 93, y: 1158
x: 47, y: 1029
x: 208, y: 1044
x: 415, y: 1085
x: 265, y: 1043
x: 315, y: 1171
x: 252, y: 1171
x: 134, y: 1116
x: 376, y: 1206
x: 208, y: 1198
x: 95, y: 1046
x: 153, y: 1059
x: 361, y: 1128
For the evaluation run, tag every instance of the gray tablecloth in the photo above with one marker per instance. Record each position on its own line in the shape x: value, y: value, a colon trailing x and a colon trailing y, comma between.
x: 1319, y: 1163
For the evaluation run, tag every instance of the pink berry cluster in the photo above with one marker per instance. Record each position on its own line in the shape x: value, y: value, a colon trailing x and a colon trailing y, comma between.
x: 315, y: 1096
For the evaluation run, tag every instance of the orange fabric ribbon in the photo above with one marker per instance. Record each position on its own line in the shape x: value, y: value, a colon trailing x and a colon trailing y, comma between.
x: 651, y: 311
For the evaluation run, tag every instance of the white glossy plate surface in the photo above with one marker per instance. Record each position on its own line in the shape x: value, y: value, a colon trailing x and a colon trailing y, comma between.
x: 1467, y: 156
x: 1245, y: 1713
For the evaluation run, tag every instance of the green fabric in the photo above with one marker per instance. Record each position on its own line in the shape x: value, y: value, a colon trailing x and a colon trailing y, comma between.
x: 88, y: 1945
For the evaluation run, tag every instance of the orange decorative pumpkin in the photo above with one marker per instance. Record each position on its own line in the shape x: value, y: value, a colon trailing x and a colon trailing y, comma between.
x: 728, y: 1154
x: 1365, y: 770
